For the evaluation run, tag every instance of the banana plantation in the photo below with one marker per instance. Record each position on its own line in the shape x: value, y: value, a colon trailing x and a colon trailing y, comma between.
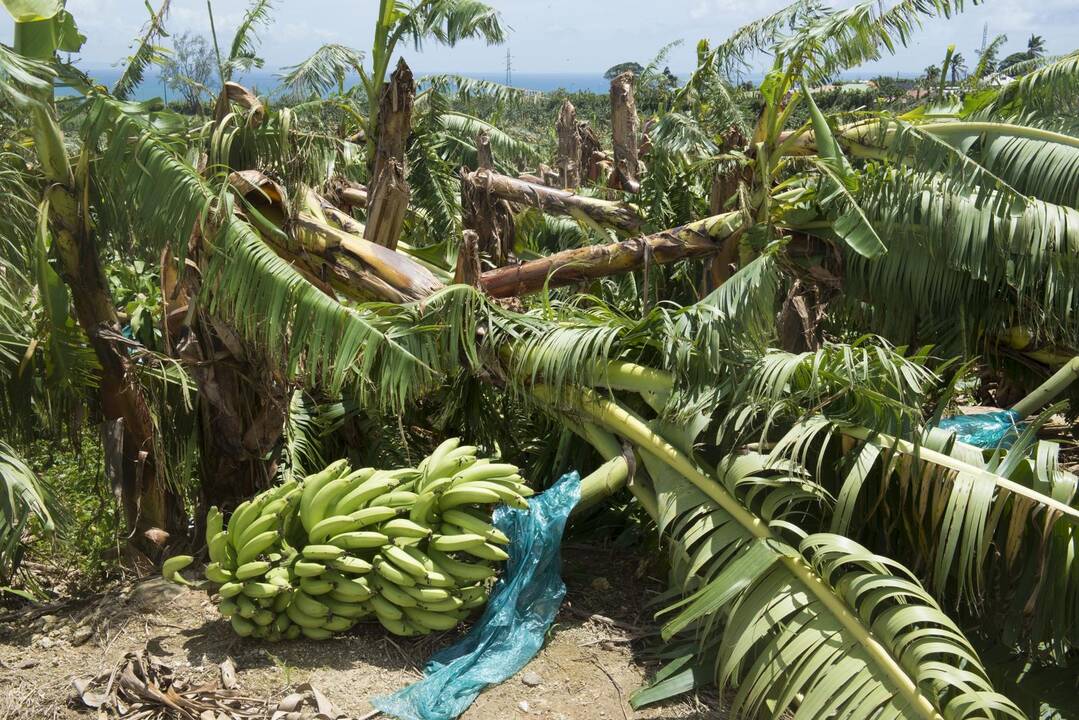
x: 305, y: 342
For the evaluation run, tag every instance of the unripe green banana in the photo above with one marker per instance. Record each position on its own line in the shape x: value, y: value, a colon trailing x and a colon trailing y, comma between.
x: 391, y: 573
x: 230, y: 589
x: 263, y: 617
x: 261, y: 632
x: 217, y: 547
x: 238, y: 514
x: 215, y: 523
x: 322, y: 552
x: 325, y: 499
x: 404, y: 528
x: 378, y: 484
x: 260, y: 590
x: 313, y: 483
x: 245, y: 608
x: 260, y: 524
x: 170, y: 569
x: 281, y: 622
x: 215, y: 573
x: 435, y: 458
x: 307, y: 568
x: 450, y: 466
x: 470, y: 523
x: 384, y: 609
x: 397, y: 626
x: 404, y: 561
x: 351, y: 565
x: 294, y: 631
x: 396, y: 595
x: 279, y: 576
x: 338, y: 623
x: 242, y: 627
x: 439, y: 579
x: 332, y: 526
x: 283, y: 599
x: 256, y: 546
x: 428, y: 619
x: 487, y: 551
x: 467, y: 495
x: 315, y: 586
x: 423, y: 509
x: 374, y: 515
x: 483, y: 471
x: 227, y: 608
x: 428, y: 594
x: 464, y: 571
x: 302, y: 619
x: 253, y: 569
x: 359, y: 540
x: 451, y: 543
x: 448, y: 605
x: 483, y: 488
x: 308, y: 605
x: 397, y: 498
x: 346, y: 609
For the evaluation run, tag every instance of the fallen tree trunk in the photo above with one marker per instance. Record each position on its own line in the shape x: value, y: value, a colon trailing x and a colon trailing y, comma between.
x: 697, y: 239
x: 604, y: 213
x: 389, y: 203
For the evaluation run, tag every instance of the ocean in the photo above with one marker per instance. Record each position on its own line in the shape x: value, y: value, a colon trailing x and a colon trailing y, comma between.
x: 265, y: 82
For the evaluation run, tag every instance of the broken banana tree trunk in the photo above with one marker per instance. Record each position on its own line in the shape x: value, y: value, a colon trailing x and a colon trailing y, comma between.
x: 389, y: 203
x: 592, y: 211
x: 389, y: 191
x: 594, y: 162
x: 569, y: 146
x: 489, y: 217
x: 624, y: 128
x: 697, y: 239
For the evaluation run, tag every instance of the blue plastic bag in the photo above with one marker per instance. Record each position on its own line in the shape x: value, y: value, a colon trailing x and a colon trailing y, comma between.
x: 521, y: 609
x: 985, y: 430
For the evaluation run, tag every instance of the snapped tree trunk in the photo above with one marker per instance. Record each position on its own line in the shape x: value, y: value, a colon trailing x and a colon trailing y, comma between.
x: 624, y: 127
x: 468, y: 260
x: 605, y: 213
x: 594, y: 162
x: 389, y: 191
x: 389, y: 203
x: 697, y: 239
x: 489, y: 216
x: 569, y: 146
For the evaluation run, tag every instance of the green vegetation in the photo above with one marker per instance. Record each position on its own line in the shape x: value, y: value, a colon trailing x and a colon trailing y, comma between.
x: 741, y: 310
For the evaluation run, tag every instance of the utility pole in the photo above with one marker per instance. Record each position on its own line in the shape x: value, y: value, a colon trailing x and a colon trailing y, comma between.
x: 985, y: 39
x: 509, y: 68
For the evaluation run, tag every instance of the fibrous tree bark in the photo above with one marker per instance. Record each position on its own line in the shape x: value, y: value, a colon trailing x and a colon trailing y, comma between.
x: 624, y: 127
x: 697, y: 239
x: 389, y: 191
x: 594, y: 162
x: 468, y: 260
x: 489, y: 216
x: 604, y: 213
x: 390, y: 194
x: 569, y: 146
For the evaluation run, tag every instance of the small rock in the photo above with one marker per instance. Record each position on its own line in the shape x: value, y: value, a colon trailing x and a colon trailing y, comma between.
x: 531, y: 679
x: 601, y: 584
x: 81, y: 635
x: 47, y: 621
x: 523, y: 705
x: 45, y: 643
x: 27, y: 664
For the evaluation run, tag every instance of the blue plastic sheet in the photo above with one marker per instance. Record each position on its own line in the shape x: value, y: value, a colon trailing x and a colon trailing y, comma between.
x: 985, y: 430
x: 515, y: 621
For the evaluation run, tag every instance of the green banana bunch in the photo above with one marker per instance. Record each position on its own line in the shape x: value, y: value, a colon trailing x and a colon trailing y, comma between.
x: 413, y: 547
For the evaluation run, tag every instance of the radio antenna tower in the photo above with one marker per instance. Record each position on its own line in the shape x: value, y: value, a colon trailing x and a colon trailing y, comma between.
x: 509, y: 68
x: 985, y: 38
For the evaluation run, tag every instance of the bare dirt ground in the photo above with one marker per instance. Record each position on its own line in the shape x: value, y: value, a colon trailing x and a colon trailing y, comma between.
x: 587, y: 670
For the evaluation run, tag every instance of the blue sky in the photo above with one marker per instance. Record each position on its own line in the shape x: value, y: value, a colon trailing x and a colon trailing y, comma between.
x: 560, y: 36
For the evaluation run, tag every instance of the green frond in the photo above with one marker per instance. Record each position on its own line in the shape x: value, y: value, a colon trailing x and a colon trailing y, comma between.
x: 147, y: 53
x: 461, y: 129
x: 733, y: 54
x: 1052, y: 86
x: 245, y: 41
x: 324, y: 70
x: 26, y: 502
x: 451, y: 21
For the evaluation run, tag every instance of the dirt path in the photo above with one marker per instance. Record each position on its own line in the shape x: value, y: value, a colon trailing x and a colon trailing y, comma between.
x: 587, y: 670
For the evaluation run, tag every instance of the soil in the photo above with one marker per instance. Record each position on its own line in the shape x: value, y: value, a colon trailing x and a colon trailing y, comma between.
x: 592, y: 662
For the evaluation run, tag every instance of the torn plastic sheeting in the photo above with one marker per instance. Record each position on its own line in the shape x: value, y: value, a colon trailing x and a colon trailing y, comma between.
x: 518, y: 614
x: 985, y: 430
